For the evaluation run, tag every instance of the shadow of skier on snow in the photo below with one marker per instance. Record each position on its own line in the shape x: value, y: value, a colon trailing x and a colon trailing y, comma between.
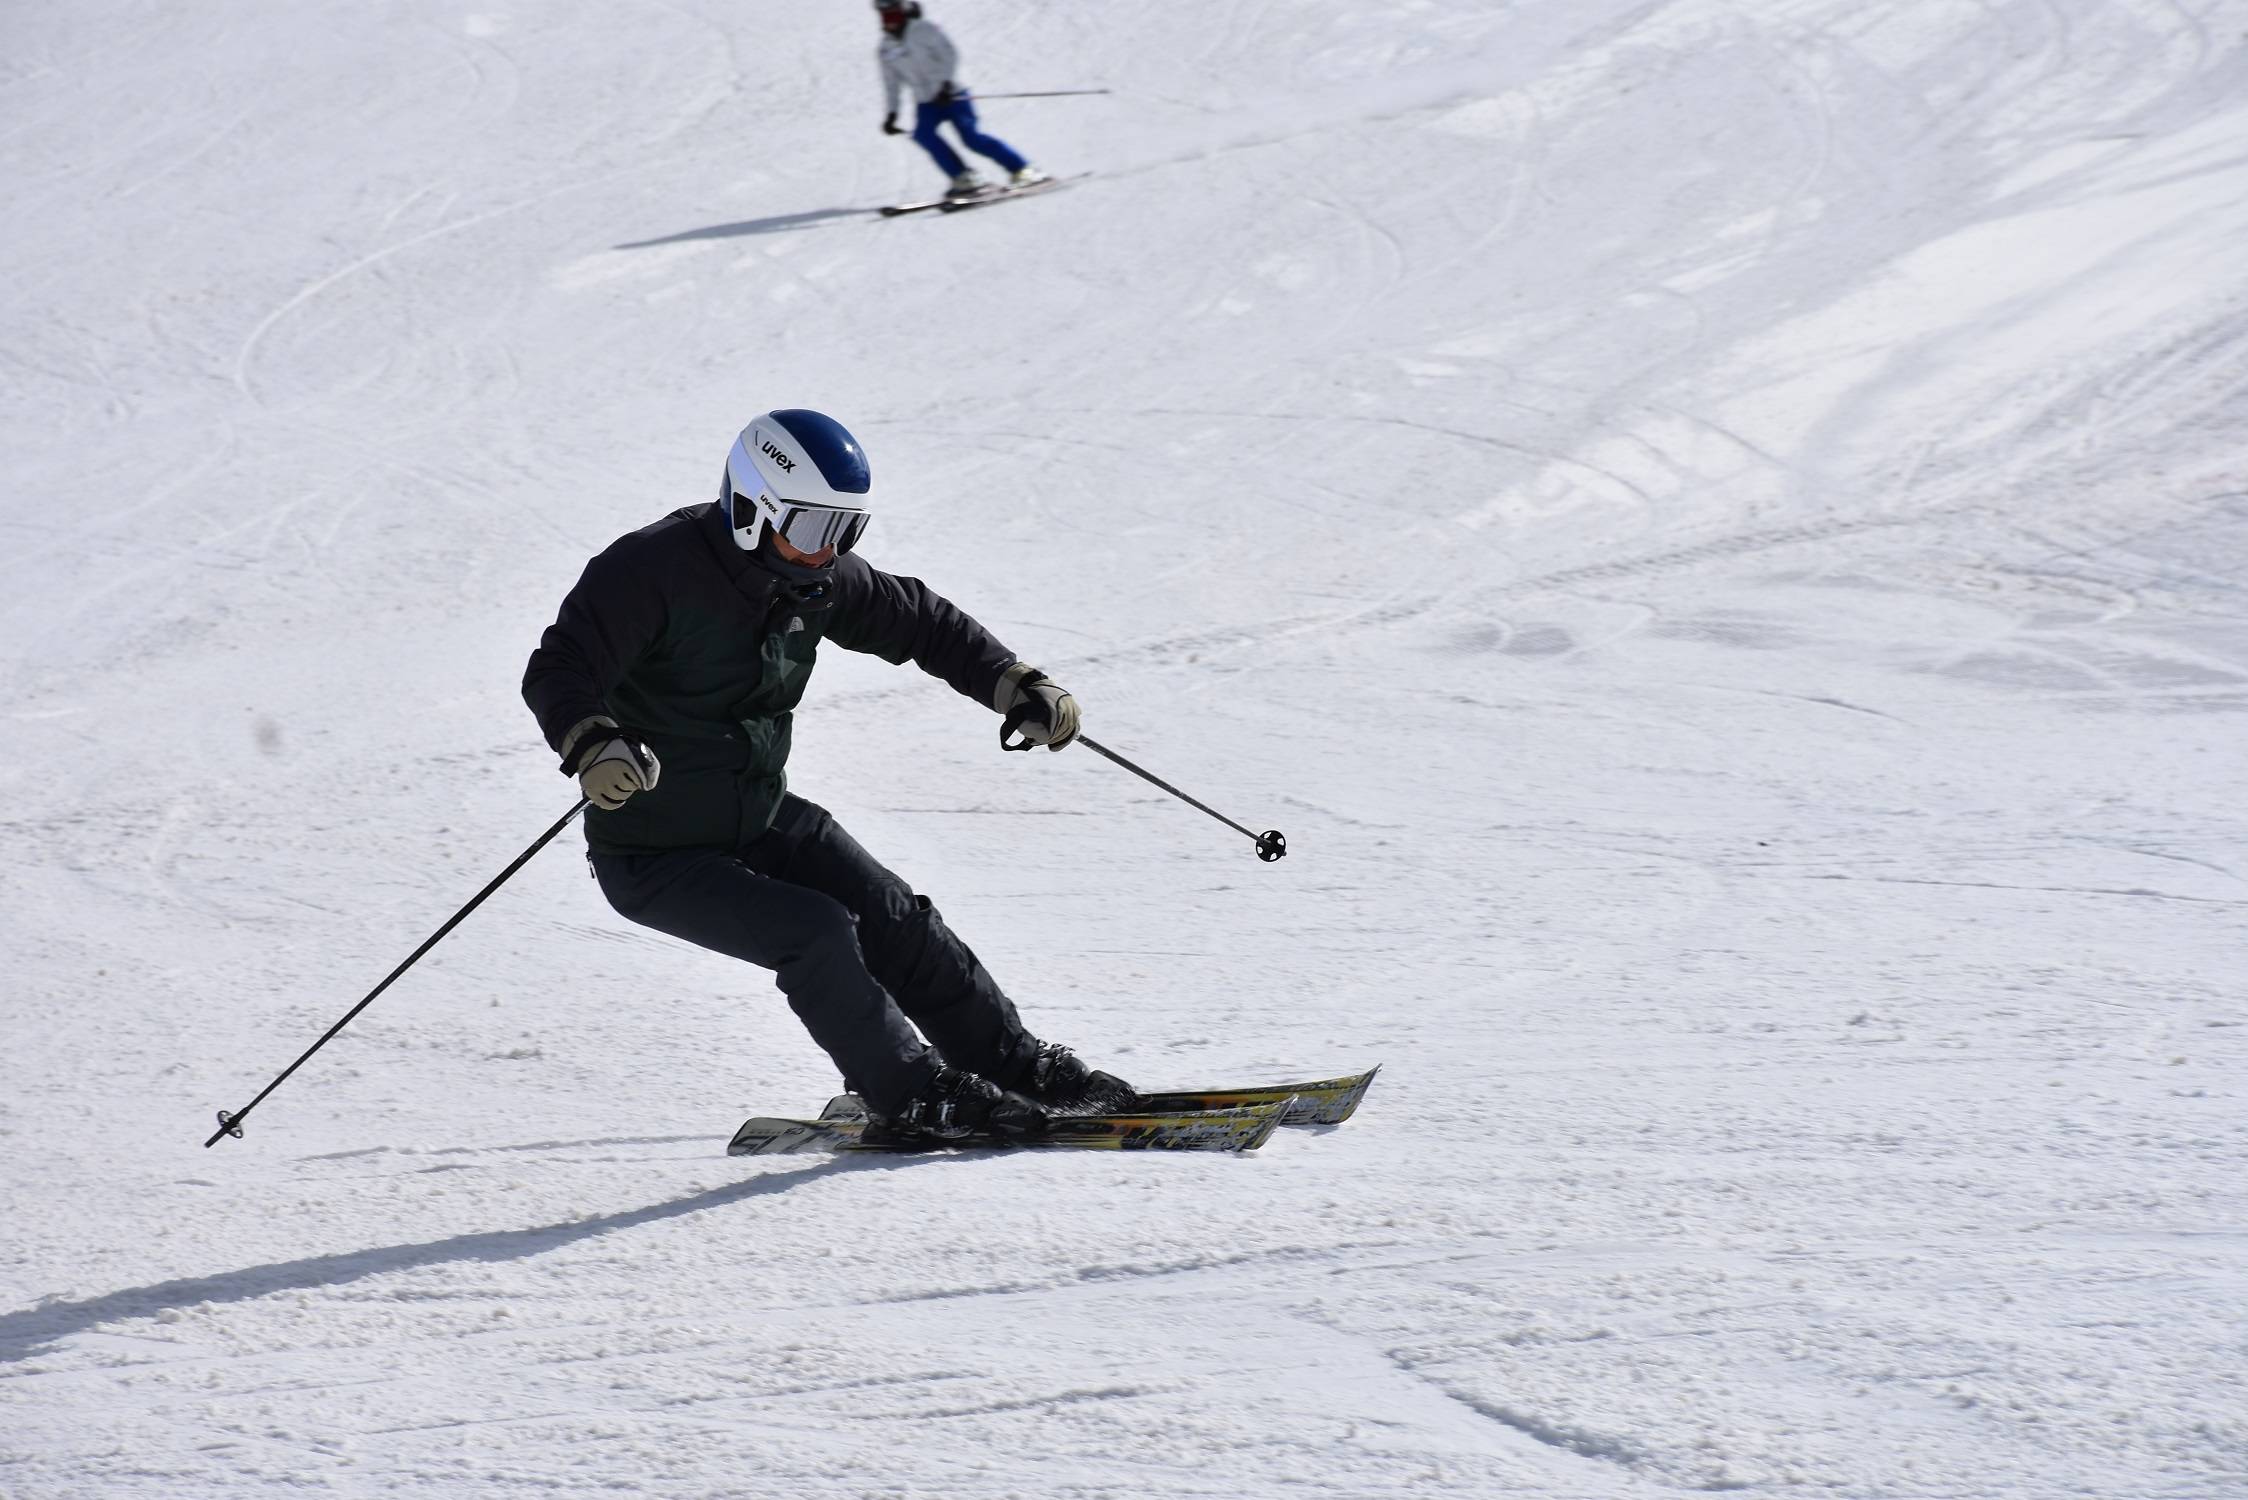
x: 27, y: 1331
x: 774, y: 225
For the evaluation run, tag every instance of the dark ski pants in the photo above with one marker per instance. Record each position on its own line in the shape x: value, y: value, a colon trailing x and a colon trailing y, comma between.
x: 861, y: 958
x: 961, y: 115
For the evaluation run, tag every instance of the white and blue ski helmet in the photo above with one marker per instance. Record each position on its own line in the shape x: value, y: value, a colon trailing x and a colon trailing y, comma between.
x: 799, y: 474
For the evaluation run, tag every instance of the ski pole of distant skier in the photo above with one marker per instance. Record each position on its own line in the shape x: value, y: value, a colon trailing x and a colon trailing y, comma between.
x: 1047, y: 94
x: 1271, y: 844
x: 231, y: 1124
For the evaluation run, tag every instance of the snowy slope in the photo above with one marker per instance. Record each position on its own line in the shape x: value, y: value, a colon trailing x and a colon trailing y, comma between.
x: 1717, y: 530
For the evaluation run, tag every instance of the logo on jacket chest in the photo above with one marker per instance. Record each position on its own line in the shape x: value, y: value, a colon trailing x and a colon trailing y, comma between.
x: 773, y: 451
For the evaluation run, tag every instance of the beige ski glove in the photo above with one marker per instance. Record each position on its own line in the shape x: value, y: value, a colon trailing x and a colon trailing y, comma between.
x: 1038, y: 709
x: 611, y: 765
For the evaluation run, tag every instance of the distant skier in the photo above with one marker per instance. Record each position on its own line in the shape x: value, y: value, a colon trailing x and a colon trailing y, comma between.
x: 697, y: 635
x: 919, y: 58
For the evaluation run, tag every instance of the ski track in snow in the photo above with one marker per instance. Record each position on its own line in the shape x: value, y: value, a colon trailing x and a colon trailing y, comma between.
x: 1719, y: 531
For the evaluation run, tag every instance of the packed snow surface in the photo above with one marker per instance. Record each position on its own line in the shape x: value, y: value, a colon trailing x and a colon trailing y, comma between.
x: 1717, y: 530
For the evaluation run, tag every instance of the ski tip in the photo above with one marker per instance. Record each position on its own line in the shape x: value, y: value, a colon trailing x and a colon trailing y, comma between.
x: 1254, y: 1123
x: 1273, y: 1116
x: 1347, y: 1105
x: 1332, y: 1101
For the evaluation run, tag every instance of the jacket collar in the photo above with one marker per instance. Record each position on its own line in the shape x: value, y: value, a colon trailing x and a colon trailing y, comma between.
x: 767, y: 589
x: 740, y: 569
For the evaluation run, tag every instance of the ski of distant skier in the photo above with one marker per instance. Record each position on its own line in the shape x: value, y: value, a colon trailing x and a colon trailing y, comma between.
x: 994, y: 194
x: 1232, y: 1119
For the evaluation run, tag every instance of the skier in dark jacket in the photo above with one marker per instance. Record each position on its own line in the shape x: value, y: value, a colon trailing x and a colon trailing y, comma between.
x: 667, y: 683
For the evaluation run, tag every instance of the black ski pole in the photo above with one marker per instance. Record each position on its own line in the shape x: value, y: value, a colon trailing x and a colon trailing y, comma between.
x: 1047, y: 94
x: 231, y: 1124
x: 1271, y: 844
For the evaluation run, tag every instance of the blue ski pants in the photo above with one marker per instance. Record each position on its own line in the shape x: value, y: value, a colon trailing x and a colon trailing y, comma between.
x: 960, y: 114
x: 866, y: 964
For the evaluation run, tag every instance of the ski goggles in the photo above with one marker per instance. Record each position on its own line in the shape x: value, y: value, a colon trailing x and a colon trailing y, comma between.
x: 807, y: 528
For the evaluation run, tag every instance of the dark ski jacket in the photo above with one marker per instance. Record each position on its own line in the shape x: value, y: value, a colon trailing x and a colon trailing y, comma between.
x: 703, y: 650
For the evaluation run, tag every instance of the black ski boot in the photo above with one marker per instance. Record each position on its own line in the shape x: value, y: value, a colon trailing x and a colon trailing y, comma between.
x: 956, y: 1105
x: 1058, y: 1079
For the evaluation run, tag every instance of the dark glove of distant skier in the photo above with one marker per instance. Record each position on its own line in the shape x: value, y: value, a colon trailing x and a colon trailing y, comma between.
x: 610, y: 764
x: 946, y: 93
x: 890, y: 124
x: 1037, y: 708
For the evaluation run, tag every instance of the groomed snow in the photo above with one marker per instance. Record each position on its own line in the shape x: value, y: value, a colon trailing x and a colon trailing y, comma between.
x: 1717, y: 529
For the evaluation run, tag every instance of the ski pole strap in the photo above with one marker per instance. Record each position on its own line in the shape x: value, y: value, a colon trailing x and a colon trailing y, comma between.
x: 1012, y: 725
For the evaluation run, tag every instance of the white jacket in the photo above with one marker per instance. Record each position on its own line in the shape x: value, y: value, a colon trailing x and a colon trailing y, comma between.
x: 919, y: 58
